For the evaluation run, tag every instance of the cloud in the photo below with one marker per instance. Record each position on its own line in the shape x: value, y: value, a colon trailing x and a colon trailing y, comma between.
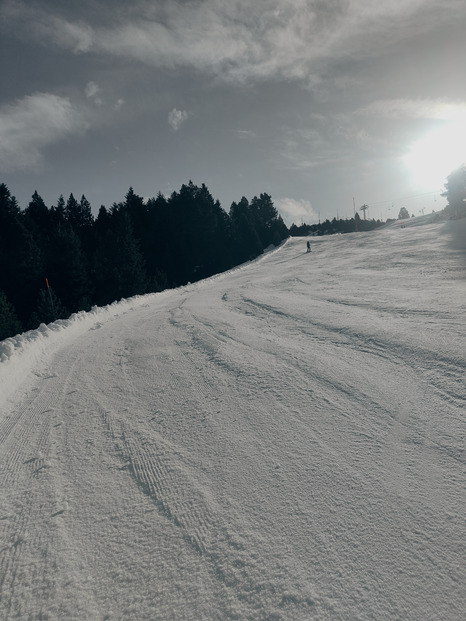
x: 236, y: 39
x: 31, y: 124
x: 93, y: 92
x: 322, y: 140
x: 432, y: 109
x: 176, y: 118
x: 41, y: 25
x: 296, y: 211
x: 245, y: 133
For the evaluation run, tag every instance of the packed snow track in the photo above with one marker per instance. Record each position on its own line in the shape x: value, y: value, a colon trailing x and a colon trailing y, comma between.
x: 283, y: 441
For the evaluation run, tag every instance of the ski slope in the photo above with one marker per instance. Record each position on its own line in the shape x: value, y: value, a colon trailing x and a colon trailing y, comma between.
x: 283, y: 441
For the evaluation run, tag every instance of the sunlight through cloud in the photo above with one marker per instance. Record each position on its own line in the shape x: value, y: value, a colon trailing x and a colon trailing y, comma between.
x: 432, y: 158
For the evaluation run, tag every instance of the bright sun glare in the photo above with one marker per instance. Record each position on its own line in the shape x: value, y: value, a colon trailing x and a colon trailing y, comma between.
x: 435, y: 156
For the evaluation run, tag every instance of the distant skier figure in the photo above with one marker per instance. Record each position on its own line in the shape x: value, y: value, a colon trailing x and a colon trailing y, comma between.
x: 308, y: 246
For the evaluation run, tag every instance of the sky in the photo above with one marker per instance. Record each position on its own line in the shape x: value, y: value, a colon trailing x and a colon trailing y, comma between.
x: 326, y: 105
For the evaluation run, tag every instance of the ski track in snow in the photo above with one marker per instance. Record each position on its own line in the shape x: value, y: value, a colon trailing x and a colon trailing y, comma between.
x: 282, y: 441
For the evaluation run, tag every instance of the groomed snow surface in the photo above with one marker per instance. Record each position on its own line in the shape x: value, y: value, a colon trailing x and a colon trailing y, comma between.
x: 283, y: 441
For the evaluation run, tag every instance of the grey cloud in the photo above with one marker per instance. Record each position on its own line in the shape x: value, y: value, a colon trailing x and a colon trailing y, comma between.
x: 237, y: 40
x: 434, y: 109
x: 176, y: 118
x: 93, y: 92
x: 40, y: 24
x: 92, y: 89
x: 321, y: 140
x: 33, y: 123
x: 295, y: 210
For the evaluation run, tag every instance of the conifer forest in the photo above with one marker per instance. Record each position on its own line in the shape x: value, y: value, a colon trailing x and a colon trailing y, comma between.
x: 61, y: 259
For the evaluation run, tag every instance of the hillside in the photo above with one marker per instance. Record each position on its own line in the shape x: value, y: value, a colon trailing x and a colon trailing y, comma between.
x: 282, y: 441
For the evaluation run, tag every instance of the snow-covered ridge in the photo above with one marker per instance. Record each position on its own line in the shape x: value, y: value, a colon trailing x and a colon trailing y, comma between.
x: 283, y: 441
x: 31, y: 350
x: 22, y: 353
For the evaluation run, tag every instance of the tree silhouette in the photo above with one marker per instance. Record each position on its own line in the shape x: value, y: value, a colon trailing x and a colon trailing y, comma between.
x: 48, y: 308
x: 455, y: 193
x: 37, y: 215
x: 247, y: 244
x: 268, y: 223
x: 118, y: 266
x: 20, y: 257
x: 66, y: 269
x: 9, y: 322
x: 135, y: 247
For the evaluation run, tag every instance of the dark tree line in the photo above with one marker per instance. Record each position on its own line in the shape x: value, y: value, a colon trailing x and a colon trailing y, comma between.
x: 331, y: 227
x: 134, y: 247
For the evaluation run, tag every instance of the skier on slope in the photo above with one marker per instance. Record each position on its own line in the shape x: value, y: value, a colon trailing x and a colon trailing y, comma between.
x: 308, y: 246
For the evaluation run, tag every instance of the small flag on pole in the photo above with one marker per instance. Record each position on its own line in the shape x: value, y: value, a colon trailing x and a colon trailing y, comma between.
x: 51, y: 299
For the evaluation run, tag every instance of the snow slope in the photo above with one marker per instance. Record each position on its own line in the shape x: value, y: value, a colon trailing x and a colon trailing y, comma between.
x: 283, y: 441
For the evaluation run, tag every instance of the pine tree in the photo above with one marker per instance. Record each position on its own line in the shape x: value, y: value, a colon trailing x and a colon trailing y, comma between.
x: 59, y: 210
x: 246, y: 242
x: 72, y: 211
x: 156, y: 244
x: 199, y: 232
x: 455, y: 193
x: 118, y: 265
x: 37, y: 213
x: 134, y: 206
x: 66, y: 269
x: 85, y: 213
x: 9, y: 209
x: 9, y: 322
x: 79, y: 215
x: 403, y: 214
x: 268, y: 222
x: 49, y: 308
x: 20, y: 257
